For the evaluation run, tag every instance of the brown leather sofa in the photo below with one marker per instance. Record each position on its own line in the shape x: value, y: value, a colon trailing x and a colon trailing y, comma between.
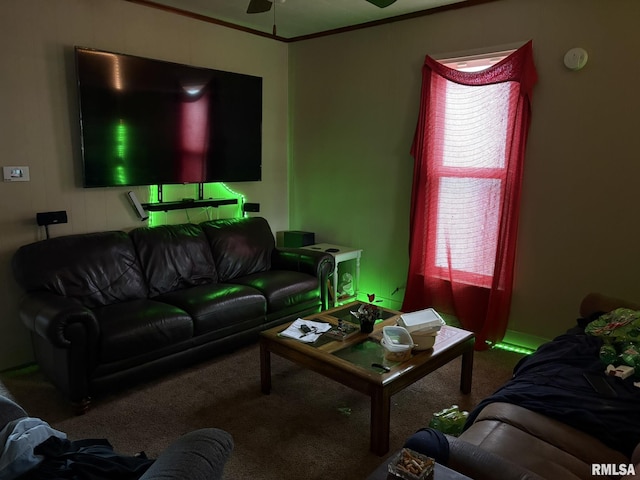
x: 111, y: 308
x: 507, y: 441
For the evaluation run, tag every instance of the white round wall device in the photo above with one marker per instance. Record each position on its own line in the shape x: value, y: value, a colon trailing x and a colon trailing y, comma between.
x: 576, y: 58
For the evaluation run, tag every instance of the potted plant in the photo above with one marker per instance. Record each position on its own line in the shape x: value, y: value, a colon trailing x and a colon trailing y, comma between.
x: 367, y: 314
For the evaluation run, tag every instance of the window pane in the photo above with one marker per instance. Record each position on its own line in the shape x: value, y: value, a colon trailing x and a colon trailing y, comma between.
x: 475, y: 125
x: 467, y: 225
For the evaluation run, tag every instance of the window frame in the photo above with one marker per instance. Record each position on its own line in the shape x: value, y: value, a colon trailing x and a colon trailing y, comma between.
x: 439, y: 171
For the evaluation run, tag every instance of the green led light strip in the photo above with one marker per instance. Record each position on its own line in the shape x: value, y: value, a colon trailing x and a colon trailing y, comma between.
x: 513, y: 348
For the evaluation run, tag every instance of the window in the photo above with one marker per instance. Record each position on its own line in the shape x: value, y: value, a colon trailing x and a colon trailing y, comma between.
x: 469, y: 150
x: 469, y: 174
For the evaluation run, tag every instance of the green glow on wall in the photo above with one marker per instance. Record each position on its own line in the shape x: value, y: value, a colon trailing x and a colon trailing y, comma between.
x: 153, y: 197
x: 173, y: 192
x: 241, y: 197
x: 121, y: 140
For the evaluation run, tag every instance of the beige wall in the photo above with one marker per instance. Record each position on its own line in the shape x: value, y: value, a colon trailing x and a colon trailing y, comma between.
x: 38, y: 121
x: 354, y: 100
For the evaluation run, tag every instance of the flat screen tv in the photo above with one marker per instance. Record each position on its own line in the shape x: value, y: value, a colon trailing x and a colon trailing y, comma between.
x: 152, y: 122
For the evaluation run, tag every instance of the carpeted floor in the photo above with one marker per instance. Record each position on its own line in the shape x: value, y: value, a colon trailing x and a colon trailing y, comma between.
x: 308, y: 427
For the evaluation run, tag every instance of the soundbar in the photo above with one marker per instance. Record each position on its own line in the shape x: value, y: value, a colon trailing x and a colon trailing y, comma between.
x: 182, y: 204
x: 137, y: 206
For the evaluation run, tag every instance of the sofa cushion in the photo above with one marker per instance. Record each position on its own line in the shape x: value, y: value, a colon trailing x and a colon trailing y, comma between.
x: 221, y: 307
x: 282, y: 288
x: 132, y: 329
x: 174, y: 257
x: 94, y: 268
x: 240, y: 246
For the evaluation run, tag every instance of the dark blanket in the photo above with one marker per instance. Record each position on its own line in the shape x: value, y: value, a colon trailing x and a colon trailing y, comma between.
x: 551, y: 382
x: 92, y: 459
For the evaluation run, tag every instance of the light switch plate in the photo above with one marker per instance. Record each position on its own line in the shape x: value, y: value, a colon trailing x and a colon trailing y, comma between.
x: 16, y: 174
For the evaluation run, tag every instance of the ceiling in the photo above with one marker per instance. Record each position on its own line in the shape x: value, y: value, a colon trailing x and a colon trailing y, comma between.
x: 301, y: 18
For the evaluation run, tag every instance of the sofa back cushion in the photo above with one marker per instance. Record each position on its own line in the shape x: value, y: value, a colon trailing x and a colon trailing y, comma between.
x: 240, y: 246
x: 174, y: 257
x: 94, y: 268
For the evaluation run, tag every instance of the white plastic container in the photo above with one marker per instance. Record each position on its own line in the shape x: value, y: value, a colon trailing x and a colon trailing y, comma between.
x: 423, y: 340
x: 427, y: 319
x: 423, y: 326
x: 397, y: 343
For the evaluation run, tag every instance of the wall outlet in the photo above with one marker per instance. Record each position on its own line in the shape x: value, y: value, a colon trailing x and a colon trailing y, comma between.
x: 16, y: 174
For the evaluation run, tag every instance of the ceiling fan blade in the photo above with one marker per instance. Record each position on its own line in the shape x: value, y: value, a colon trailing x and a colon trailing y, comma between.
x: 381, y: 3
x: 259, y: 6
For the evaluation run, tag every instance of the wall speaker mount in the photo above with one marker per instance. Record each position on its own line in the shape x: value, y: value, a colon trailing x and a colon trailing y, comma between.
x: 137, y: 206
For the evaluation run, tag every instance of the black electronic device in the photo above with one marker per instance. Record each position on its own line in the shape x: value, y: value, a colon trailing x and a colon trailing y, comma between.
x: 251, y: 207
x: 295, y: 238
x: 383, y: 367
x: 50, y: 218
x: 152, y: 122
x: 44, y: 219
x: 305, y: 328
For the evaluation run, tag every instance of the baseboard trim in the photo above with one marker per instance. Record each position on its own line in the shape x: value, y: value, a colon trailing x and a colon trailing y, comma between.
x: 523, y: 339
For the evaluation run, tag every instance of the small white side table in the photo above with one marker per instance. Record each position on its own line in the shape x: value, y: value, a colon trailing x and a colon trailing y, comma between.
x: 341, y: 254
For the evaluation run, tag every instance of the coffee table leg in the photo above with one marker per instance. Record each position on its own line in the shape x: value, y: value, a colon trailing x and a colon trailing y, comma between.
x: 467, y: 371
x: 380, y: 418
x: 265, y: 369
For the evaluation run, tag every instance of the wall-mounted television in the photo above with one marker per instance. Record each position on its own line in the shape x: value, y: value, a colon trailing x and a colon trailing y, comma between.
x: 152, y: 122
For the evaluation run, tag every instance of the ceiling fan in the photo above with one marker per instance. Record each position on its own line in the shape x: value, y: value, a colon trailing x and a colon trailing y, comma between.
x: 259, y: 6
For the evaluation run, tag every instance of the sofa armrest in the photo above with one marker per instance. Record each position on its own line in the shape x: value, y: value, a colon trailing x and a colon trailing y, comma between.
x: 198, y: 455
x: 318, y: 264
x: 479, y: 464
x: 303, y: 260
x: 597, y: 302
x: 576, y: 443
x: 49, y: 315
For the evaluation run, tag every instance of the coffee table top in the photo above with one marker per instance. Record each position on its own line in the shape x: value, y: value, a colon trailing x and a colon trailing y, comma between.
x: 357, y: 354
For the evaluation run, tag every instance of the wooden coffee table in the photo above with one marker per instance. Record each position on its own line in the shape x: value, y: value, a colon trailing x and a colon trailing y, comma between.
x: 350, y: 363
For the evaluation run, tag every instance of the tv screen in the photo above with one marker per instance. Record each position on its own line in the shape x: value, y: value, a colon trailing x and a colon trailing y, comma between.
x: 151, y: 122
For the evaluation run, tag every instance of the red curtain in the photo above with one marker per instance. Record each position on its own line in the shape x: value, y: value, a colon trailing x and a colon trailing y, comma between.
x: 469, y: 186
